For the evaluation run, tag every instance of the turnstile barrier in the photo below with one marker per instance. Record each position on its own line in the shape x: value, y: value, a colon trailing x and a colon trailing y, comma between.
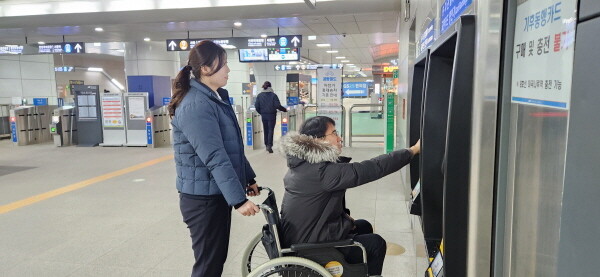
x: 254, y: 130
x: 30, y: 124
x: 159, y: 127
x: 63, y: 126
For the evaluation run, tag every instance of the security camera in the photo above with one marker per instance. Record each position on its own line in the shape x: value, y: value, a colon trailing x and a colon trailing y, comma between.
x: 344, y: 34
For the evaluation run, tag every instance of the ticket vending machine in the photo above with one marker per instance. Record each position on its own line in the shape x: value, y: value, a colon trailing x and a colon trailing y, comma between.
x: 139, y: 127
x: 445, y: 132
x: 89, y: 119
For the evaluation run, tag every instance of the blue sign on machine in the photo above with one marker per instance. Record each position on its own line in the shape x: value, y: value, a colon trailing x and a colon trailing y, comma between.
x: 248, y: 131
x: 60, y: 102
x: 452, y: 10
x: 284, y: 129
x: 166, y: 101
x: 40, y: 101
x: 13, y: 131
x: 427, y: 36
x: 149, y: 132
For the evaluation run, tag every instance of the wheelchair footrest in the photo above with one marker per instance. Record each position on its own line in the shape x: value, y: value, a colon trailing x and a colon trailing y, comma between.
x: 334, y: 261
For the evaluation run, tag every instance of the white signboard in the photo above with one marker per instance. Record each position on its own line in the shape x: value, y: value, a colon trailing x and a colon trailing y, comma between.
x: 329, y: 94
x: 329, y: 87
x: 543, y: 53
x: 112, y: 110
x: 137, y: 109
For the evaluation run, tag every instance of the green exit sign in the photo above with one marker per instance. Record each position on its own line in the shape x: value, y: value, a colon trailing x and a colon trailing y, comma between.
x: 395, y: 74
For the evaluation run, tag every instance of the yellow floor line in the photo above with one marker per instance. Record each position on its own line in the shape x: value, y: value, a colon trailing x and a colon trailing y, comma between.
x: 53, y: 193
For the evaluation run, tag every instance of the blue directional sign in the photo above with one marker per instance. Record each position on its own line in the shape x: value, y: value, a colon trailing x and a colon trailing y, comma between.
x: 62, y: 48
x: 40, y: 101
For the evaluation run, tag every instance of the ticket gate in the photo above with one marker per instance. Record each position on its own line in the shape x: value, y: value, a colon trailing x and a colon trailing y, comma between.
x: 63, y: 127
x: 291, y: 120
x: 30, y: 124
x: 240, y: 117
x: 4, y: 121
x: 254, y: 130
x: 158, y: 127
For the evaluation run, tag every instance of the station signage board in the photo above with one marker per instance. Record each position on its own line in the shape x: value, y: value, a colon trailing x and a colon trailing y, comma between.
x: 293, y: 41
x: 64, y: 69
x: 62, y: 48
x: 288, y: 67
x: 11, y: 49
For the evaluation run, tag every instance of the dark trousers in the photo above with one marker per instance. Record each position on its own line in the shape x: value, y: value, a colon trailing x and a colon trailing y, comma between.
x: 268, y: 130
x: 209, y: 221
x: 374, y: 245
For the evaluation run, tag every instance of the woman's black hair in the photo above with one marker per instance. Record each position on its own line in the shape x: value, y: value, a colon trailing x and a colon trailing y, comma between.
x: 266, y: 85
x: 316, y: 126
x: 205, y: 53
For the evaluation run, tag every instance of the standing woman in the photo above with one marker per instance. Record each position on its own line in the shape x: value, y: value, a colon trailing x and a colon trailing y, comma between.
x: 213, y: 173
x: 267, y: 104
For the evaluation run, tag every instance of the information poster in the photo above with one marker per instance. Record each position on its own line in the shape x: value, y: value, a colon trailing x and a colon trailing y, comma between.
x: 137, y: 109
x: 543, y: 53
x: 112, y: 111
x: 329, y: 94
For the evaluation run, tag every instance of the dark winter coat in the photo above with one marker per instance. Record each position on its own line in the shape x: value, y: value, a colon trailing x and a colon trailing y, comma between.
x: 209, y: 151
x: 267, y: 104
x: 315, y: 184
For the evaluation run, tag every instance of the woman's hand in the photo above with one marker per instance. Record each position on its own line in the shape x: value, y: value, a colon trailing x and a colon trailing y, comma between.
x: 248, y: 209
x: 252, y: 190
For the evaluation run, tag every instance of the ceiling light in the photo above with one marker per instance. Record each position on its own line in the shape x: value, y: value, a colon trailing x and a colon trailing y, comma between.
x: 263, y: 36
x: 237, y: 24
x: 116, y: 83
x: 340, y: 58
x: 120, y: 50
x: 99, y: 29
x: 332, y: 51
x: 312, y: 37
x: 323, y: 45
x: 228, y: 46
x: 345, y: 61
x: 97, y: 44
x: 95, y: 69
x: 398, y: 40
x: 146, y: 39
x: 350, y: 64
x: 41, y: 43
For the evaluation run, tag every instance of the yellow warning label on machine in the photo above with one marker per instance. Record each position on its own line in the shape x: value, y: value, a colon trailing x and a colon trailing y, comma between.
x: 335, y: 268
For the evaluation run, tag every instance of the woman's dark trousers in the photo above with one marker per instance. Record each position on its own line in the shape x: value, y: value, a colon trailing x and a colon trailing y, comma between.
x: 209, y: 221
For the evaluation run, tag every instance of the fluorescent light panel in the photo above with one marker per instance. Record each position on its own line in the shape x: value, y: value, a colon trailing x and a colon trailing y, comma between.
x: 323, y: 45
x: 332, y: 51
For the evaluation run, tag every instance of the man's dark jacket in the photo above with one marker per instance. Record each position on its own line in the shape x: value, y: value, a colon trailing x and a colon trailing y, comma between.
x: 267, y: 104
x: 315, y: 184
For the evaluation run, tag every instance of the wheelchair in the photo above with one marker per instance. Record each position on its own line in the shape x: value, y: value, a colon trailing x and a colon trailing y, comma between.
x: 264, y: 255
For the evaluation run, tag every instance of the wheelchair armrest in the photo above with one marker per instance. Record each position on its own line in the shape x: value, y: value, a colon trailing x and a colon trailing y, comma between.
x: 308, y: 246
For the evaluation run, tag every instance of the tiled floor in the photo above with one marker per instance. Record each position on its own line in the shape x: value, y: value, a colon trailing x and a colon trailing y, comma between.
x: 130, y: 225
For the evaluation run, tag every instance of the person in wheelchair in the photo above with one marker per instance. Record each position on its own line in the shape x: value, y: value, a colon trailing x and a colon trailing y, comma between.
x: 313, y: 208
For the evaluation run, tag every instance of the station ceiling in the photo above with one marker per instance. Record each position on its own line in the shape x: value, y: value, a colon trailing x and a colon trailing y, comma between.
x: 363, y: 31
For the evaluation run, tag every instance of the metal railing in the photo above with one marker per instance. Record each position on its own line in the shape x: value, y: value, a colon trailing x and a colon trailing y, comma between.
x: 343, y: 123
x: 351, y: 135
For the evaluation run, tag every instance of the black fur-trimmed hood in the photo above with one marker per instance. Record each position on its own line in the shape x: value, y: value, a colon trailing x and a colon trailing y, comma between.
x: 299, y: 148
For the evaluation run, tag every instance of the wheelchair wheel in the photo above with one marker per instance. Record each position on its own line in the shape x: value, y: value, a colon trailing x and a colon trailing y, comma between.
x: 290, y: 267
x: 254, y: 255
